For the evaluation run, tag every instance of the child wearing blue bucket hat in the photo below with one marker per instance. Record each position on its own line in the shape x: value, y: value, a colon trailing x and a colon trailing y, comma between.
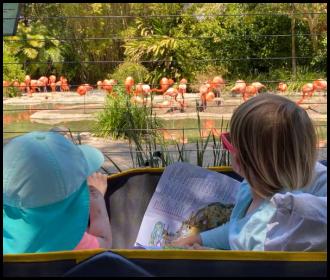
x: 50, y: 191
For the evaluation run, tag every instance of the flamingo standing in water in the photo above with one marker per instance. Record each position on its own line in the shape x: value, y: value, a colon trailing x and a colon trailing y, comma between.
x: 44, y: 82
x: 309, y: 88
x: 83, y: 89
x: 320, y: 85
x: 239, y: 87
x: 58, y: 85
x: 164, y: 85
x: 40, y: 85
x: 244, y: 89
x: 307, y: 91
x: 258, y: 86
x: 146, y: 92
x: 138, y: 94
x: 62, y: 84
x: 217, y: 85
x: 203, y: 91
x: 52, y: 82
x: 27, y: 81
x: 33, y: 85
x: 65, y: 85
x: 138, y: 89
x: 52, y: 86
x: 182, y: 89
x: 210, y: 96
x: 173, y: 94
x: 146, y: 89
x: 99, y: 84
x: 282, y: 87
x: 249, y: 92
x: 108, y: 85
x: 129, y: 83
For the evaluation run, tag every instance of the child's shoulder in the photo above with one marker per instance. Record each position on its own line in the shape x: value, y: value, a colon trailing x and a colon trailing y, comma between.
x: 244, y: 190
x: 318, y: 184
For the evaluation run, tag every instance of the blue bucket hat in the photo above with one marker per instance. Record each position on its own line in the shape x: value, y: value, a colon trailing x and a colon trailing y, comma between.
x: 45, y: 192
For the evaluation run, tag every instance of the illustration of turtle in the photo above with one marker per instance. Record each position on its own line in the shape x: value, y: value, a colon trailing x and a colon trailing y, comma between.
x: 211, y: 216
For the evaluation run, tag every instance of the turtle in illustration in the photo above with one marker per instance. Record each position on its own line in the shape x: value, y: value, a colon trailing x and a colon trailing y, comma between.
x: 208, y: 217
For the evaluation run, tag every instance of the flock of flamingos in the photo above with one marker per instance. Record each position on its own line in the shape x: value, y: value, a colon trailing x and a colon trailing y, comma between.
x: 139, y: 92
x: 208, y: 91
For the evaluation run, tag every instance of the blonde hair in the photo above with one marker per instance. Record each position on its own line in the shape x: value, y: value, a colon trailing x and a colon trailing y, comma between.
x: 275, y: 142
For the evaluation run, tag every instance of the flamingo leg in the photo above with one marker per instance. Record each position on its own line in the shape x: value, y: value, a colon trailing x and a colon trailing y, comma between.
x: 310, y: 94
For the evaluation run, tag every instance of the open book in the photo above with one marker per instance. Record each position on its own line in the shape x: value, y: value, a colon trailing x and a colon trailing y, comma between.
x: 188, y: 199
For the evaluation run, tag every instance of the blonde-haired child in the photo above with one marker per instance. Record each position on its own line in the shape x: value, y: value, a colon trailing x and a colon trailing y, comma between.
x: 272, y: 143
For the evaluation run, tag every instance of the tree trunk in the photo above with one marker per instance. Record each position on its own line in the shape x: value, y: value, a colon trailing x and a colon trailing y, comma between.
x: 293, y: 44
x: 312, y: 31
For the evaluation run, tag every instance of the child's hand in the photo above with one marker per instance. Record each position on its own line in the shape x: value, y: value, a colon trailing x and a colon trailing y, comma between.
x: 197, y: 246
x: 187, y: 241
x: 178, y: 243
x: 98, y: 181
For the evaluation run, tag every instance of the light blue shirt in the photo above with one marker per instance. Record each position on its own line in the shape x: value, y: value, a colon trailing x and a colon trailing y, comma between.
x: 248, y: 232
x: 229, y: 236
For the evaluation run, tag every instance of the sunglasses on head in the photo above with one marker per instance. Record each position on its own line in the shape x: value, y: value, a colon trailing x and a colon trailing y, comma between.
x: 225, y: 137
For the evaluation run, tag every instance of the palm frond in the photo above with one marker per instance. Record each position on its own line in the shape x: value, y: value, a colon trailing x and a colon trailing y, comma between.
x: 30, y: 53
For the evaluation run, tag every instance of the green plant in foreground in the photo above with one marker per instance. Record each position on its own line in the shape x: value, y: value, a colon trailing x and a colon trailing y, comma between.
x: 200, y: 145
x: 134, y: 122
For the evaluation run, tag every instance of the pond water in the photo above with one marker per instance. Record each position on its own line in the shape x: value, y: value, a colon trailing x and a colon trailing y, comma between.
x: 190, y: 127
x: 16, y: 121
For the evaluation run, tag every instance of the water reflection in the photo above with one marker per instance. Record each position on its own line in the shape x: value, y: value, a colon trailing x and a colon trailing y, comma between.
x: 17, y: 121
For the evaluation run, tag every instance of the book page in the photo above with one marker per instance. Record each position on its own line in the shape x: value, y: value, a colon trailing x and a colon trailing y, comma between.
x: 188, y: 199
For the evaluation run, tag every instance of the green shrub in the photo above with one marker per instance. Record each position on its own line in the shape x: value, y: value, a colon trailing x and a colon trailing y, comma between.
x: 135, y: 70
x: 122, y: 119
x: 11, y: 71
x: 319, y: 61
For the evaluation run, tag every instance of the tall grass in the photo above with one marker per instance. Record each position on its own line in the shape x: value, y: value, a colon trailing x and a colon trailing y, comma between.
x: 138, y: 124
x: 200, y: 144
x: 134, y: 122
x: 220, y: 156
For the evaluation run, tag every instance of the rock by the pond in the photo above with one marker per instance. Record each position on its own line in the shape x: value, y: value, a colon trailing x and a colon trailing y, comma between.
x: 58, y: 116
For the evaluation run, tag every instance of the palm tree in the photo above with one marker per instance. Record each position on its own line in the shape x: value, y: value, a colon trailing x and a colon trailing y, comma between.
x: 156, y: 44
x: 36, y: 49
